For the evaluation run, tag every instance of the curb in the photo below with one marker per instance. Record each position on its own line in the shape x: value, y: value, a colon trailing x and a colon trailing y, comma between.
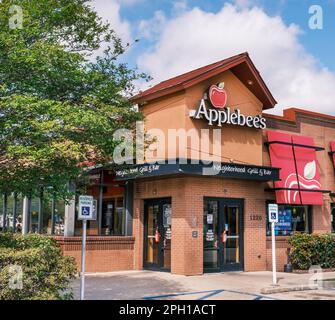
x: 272, y: 290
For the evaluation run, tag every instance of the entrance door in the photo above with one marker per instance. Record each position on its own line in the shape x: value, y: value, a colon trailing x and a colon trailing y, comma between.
x: 157, y: 234
x: 223, y: 235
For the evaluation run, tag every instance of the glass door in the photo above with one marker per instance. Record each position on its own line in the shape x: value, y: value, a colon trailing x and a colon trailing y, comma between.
x: 157, y: 234
x: 223, y: 235
x: 231, y: 236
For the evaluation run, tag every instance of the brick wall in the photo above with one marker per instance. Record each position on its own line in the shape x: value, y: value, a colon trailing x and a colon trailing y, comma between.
x: 187, y: 195
x: 103, y: 254
x: 281, y: 253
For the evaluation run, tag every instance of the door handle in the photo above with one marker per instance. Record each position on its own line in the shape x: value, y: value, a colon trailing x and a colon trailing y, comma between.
x: 224, y: 236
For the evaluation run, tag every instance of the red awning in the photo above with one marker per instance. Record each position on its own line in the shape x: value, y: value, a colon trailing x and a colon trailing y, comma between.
x: 281, y: 156
x: 308, y: 171
x: 296, y: 157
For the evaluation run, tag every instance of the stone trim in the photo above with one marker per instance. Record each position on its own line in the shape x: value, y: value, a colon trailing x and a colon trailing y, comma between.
x: 96, y: 243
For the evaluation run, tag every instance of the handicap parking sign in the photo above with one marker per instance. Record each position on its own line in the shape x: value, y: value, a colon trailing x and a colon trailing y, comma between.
x: 273, y: 213
x: 85, y: 211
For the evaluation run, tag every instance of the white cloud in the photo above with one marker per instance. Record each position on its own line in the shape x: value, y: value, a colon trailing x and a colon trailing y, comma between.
x: 150, y: 29
x: 195, y: 38
x: 109, y: 10
x: 179, y: 6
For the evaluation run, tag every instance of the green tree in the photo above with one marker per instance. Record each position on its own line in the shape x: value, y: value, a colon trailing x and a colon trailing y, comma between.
x: 59, y: 107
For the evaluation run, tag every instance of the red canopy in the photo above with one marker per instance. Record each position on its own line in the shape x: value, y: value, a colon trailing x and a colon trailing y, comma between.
x: 297, y: 159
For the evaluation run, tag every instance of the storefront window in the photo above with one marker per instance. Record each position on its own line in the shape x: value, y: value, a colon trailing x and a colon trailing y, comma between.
x: 113, y: 216
x: 34, y: 211
x: 2, y: 209
x: 10, y: 221
x: 59, y: 218
x: 291, y: 219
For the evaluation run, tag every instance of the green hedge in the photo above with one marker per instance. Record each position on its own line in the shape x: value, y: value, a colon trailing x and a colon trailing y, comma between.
x: 312, y: 249
x: 46, y: 272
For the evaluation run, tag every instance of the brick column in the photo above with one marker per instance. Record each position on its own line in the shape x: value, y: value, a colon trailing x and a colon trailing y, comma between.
x: 321, y: 218
x: 138, y: 233
x: 187, y: 218
x: 255, y: 254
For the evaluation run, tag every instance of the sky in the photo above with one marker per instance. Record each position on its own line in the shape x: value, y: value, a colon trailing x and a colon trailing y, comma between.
x: 296, y: 61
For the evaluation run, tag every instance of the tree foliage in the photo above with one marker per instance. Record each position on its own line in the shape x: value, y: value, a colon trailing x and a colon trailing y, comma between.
x: 59, y: 106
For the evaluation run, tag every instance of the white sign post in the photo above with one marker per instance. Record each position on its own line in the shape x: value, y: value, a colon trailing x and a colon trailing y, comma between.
x: 86, y: 212
x: 273, y: 218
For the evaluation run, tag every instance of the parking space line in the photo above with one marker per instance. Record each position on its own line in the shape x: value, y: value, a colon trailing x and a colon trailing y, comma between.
x: 209, y: 294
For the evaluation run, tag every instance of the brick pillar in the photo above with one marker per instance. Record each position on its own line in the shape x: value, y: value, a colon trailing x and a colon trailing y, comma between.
x: 254, y: 235
x: 187, y: 217
x: 321, y: 218
x: 138, y: 233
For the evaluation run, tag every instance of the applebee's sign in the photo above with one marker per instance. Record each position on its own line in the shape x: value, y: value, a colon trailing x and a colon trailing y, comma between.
x: 219, y: 114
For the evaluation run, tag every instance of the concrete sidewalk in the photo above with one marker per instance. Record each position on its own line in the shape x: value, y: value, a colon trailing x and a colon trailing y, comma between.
x: 133, y: 285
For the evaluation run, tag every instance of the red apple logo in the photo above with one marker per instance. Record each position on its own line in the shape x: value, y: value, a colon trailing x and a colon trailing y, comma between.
x: 218, y: 96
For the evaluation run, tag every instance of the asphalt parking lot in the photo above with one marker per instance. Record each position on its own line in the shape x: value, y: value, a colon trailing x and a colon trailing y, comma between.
x: 148, y: 285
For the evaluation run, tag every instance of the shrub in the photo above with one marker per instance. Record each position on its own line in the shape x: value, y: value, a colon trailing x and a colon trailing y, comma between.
x: 312, y: 249
x: 46, y: 272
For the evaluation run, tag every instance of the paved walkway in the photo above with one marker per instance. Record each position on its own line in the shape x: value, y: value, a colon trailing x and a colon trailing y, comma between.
x: 148, y: 285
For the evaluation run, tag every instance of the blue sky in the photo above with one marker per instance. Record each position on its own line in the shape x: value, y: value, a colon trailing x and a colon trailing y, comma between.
x: 179, y: 35
x: 320, y: 43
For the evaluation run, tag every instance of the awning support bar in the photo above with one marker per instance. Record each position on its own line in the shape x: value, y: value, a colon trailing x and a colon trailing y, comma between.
x: 294, y: 145
x: 296, y: 189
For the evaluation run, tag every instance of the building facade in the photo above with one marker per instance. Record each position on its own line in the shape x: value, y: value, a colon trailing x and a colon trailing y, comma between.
x: 199, y: 201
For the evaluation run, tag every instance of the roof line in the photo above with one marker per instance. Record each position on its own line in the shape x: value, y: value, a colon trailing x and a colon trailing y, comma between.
x: 290, y: 115
x: 215, y: 65
x: 191, y: 78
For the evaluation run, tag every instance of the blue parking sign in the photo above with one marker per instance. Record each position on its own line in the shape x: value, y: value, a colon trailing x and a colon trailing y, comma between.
x: 273, y: 213
x: 85, y: 211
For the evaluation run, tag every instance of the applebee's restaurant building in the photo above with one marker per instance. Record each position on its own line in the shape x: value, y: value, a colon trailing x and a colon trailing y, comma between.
x: 181, y: 218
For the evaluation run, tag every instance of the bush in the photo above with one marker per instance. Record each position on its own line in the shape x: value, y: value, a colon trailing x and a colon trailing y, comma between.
x: 312, y: 249
x: 46, y: 273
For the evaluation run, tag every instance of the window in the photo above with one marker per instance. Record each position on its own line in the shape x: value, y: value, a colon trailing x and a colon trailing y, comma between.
x: 211, y: 216
x: 291, y: 219
x: 113, y: 217
x: 10, y: 223
x: 333, y: 217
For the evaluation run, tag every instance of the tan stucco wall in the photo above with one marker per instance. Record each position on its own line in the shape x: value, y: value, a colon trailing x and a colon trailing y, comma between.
x: 240, y: 144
